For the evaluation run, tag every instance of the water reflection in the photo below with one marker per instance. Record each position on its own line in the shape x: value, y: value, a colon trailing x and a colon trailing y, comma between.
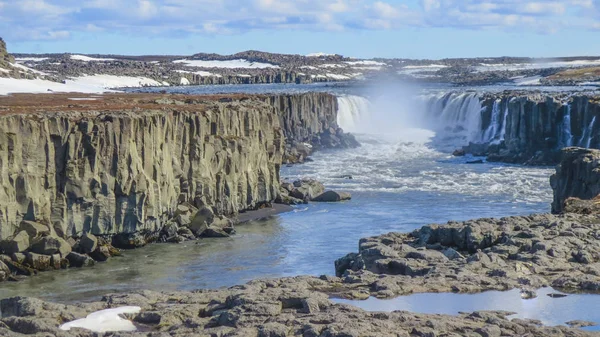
x: 209, y: 263
x: 551, y: 311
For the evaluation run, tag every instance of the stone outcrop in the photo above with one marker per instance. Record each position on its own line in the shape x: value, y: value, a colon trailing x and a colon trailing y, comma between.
x: 5, y: 57
x: 532, y: 128
x: 577, y: 179
x: 124, y: 165
x: 526, y: 252
x: 277, y: 308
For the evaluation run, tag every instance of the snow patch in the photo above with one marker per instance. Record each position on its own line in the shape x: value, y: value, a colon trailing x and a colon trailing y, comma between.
x: 184, y: 81
x: 338, y: 77
x: 108, y: 320
x: 30, y: 59
x: 82, y: 99
x: 541, y: 65
x: 532, y: 80
x: 4, y: 70
x: 429, y: 66
x: 85, y: 84
x: 365, y: 63
x: 113, y: 81
x: 241, y: 63
x: 319, y: 54
x: 201, y: 73
x: 88, y: 59
x: 27, y: 69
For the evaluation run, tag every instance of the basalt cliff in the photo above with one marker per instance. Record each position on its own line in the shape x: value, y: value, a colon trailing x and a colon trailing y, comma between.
x: 117, y: 164
x: 532, y: 128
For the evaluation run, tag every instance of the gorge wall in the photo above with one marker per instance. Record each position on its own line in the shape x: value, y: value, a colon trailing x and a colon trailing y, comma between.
x: 516, y: 126
x: 533, y: 128
x: 122, y: 163
x: 577, y: 176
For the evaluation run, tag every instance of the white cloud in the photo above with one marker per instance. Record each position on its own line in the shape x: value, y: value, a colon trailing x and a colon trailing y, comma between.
x: 56, y: 19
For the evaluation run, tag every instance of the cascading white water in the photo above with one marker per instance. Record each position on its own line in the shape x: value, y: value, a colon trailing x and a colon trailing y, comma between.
x: 503, y: 129
x: 448, y: 114
x: 457, y: 114
x: 490, y: 134
x: 567, y: 136
x: 586, y: 138
x: 352, y: 112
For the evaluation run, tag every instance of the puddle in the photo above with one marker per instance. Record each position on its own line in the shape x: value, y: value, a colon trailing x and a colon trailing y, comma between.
x: 551, y: 311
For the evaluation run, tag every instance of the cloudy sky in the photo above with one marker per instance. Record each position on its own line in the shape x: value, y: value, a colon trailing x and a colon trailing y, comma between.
x: 356, y: 28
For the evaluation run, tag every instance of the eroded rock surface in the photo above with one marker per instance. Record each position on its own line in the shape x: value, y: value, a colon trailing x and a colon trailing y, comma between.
x: 280, y: 307
x: 534, y: 251
x: 577, y: 176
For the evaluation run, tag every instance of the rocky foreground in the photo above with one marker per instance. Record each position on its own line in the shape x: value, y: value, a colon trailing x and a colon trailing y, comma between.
x: 525, y: 252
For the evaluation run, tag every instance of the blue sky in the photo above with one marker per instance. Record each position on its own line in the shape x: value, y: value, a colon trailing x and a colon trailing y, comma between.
x: 356, y: 28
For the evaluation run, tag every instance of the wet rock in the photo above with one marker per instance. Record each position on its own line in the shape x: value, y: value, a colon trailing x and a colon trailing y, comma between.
x: 38, y: 261
x: 101, y: 253
x: 477, y: 161
x: 88, y: 243
x: 556, y: 295
x: 332, y: 196
x: 16, y: 244
x: 129, y: 240
x: 215, y: 232
x: 80, y: 260
x: 459, y: 153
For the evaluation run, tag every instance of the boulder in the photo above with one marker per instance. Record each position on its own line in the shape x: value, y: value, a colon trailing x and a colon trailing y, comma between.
x: 203, y: 218
x: 101, y: 254
x: 34, y: 229
x: 170, y: 229
x: 64, y: 247
x: 88, y: 243
x: 307, y: 189
x: 38, y: 261
x: 332, y: 196
x: 16, y: 244
x: 129, y: 240
x: 80, y: 260
x: 46, y: 245
x: 214, y: 232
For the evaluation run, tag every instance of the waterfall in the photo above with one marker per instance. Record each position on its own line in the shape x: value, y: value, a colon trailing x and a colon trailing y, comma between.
x: 454, y: 114
x: 503, y: 129
x: 567, y: 136
x: 352, y: 111
x: 490, y: 133
x: 586, y: 137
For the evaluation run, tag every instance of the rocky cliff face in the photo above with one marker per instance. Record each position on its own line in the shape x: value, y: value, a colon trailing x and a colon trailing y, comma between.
x: 533, y: 128
x: 577, y: 176
x: 123, y: 163
x: 5, y: 57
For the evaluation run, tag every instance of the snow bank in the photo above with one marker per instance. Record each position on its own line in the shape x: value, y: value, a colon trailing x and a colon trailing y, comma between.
x: 201, y: 73
x: 85, y: 84
x: 365, y: 63
x: 241, y: 63
x: 113, y: 81
x: 541, y: 65
x: 27, y: 69
x: 184, y: 81
x: 30, y: 59
x: 107, y: 320
x: 88, y: 59
x: 319, y: 54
